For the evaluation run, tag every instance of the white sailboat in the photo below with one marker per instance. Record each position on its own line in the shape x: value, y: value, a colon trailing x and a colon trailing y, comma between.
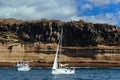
x: 61, y: 68
x: 22, y: 66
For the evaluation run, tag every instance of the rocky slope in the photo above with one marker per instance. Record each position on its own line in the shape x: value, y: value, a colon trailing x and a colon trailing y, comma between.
x: 75, y: 33
x: 84, y: 44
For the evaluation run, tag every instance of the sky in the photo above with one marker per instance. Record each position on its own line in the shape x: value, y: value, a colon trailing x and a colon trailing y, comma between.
x: 95, y: 11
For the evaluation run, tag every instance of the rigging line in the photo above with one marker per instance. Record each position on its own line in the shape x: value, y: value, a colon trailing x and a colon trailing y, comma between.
x: 61, y: 43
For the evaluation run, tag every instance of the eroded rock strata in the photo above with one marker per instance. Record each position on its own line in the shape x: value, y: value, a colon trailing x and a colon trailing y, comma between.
x: 84, y: 44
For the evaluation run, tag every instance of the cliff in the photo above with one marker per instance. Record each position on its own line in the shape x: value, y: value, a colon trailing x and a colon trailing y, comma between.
x: 75, y: 33
x: 84, y: 44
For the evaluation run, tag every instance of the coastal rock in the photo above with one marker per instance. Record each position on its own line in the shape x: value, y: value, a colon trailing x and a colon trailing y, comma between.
x: 75, y: 33
x: 84, y: 44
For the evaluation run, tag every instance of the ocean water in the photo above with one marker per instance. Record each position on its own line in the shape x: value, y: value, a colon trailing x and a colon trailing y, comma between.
x: 45, y: 74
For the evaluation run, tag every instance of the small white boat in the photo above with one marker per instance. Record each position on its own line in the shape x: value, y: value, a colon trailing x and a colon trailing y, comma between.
x: 22, y: 66
x: 61, y: 68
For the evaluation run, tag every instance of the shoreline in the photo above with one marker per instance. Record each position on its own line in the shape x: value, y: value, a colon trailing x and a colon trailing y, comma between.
x: 79, y: 65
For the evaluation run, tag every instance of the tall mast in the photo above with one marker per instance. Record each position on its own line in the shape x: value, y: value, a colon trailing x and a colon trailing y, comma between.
x: 61, y: 42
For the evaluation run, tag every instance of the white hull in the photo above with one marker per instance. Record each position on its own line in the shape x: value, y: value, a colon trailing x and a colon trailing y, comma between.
x: 23, y: 68
x: 63, y: 71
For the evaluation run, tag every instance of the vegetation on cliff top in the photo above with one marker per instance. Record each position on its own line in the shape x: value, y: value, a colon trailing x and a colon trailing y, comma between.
x: 75, y: 33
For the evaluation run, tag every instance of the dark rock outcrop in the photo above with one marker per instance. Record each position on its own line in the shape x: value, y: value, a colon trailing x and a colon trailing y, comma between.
x: 75, y: 33
x: 80, y: 33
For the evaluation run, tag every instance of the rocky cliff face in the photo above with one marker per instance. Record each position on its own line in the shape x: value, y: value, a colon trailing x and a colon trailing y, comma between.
x: 87, y: 34
x: 101, y: 42
x: 75, y: 33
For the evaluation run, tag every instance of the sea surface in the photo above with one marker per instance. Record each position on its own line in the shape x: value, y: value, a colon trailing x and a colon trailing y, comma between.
x: 45, y: 74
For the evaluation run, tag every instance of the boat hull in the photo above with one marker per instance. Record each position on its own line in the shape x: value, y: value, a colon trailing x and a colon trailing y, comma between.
x: 63, y: 71
x: 23, y: 68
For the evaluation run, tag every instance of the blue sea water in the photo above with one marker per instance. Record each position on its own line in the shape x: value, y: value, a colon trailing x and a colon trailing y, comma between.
x: 45, y: 74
